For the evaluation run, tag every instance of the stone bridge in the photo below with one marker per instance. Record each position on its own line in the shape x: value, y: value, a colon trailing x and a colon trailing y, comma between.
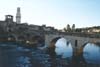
x: 75, y: 41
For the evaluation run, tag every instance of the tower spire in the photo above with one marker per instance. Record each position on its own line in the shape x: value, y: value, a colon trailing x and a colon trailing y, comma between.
x: 18, y: 16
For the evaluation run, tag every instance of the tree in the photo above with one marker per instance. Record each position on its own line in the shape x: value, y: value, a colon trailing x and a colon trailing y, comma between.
x: 73, y: 28
x: 65, y: 30
x: 68, y: 28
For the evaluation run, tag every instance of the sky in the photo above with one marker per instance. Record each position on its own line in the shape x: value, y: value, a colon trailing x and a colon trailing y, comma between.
x: 56, y: 13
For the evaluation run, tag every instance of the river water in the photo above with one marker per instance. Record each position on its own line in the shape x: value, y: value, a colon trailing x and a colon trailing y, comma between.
x: 13, y: 55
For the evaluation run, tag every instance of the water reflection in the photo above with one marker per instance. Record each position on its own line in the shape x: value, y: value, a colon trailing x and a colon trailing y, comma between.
x: 23, y: 61
x: 17, y: 56
x: 63, y: 48
x: 23, y: 57
x: 7, y: 55
x: 91, y: 53
x: 12, y: 55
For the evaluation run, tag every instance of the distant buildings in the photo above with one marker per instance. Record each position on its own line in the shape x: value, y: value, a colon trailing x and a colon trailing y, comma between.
x: 95, y: 29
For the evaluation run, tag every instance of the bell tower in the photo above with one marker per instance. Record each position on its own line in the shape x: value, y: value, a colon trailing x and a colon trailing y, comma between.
x: 18, y: 16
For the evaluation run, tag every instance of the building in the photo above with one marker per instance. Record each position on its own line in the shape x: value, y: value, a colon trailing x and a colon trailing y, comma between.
x: 18, y: 16
x: 7, y: 24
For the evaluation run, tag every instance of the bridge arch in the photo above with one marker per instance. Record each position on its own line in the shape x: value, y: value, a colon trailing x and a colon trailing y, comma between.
x: 38, y: 38
x: 21, y: 38
x: 12, y: 37
x: 85, y: 43
x: 80, y: 50
x: 36, y: 41
x: 53, y: 41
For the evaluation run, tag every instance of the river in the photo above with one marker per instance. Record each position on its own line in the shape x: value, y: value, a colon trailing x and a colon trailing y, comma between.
x: 13, y: 55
